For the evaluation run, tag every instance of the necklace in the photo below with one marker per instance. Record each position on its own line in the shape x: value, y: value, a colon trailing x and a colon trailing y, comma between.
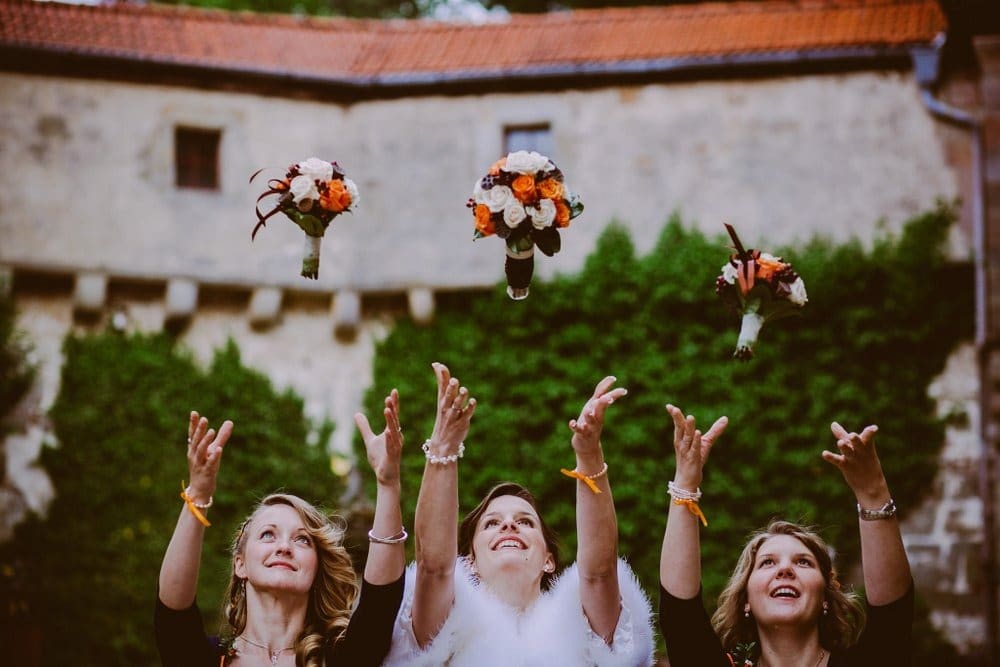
x: 822, y: 654
x: 273, y: 655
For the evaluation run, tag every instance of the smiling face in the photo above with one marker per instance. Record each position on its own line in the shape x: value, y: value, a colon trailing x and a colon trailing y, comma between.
x: 786, y: 585
x: 279, y: 554
x: 509, y: 542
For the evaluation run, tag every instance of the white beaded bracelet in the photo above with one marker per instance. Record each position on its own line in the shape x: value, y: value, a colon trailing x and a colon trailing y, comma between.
x: 442, y: 460
x: 201, y: 506
x: 677, y: 493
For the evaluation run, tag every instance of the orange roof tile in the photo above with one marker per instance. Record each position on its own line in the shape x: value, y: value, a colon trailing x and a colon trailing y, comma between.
x: 360, y: 51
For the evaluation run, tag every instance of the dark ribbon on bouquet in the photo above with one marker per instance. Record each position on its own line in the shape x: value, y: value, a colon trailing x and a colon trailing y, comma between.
x: 275, y: 186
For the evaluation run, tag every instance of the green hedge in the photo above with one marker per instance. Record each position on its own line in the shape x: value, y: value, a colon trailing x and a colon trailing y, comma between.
x: 121, y: 423
x: 878, y: 327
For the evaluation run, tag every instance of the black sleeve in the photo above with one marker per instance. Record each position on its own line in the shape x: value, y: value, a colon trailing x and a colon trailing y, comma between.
x: 369, y: 635
x: 687, y: 633
x: 180, y: 637
x: 888, y: 635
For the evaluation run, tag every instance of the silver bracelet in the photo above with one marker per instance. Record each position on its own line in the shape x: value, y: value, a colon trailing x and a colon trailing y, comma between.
x: 887, y: 511
x: 395, y: 539
x: 442, y: 460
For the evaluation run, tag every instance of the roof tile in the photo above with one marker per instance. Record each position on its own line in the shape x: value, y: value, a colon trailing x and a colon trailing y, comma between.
x: 351, y: 49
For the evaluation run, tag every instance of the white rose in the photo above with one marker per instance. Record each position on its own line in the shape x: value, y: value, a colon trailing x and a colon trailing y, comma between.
x: 317, y: 169
x: 544, y: 214
x: 303, y: 187
x: 514, y: 214
x: 525, y: 162
x: 768, y: 257
x: 798, y: 292
x: 352, y: 189
x: 497, y: 198
x: 729, y: 273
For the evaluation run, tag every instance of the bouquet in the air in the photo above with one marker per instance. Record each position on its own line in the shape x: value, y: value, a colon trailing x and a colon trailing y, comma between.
x: 523, y: 201
x: 312, y: 193
x: 760, y: 287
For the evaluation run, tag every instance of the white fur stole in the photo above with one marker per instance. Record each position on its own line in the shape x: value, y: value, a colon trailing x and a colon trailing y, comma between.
x: 482, y: 631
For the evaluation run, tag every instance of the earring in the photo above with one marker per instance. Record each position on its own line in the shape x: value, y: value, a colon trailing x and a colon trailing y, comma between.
x: 826, y: 608
x: 746, y: 612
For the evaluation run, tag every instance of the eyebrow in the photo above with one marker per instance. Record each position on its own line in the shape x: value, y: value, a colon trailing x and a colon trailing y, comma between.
x: 518, y: 513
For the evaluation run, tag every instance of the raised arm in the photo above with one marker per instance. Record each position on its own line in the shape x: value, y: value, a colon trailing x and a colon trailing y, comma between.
x: 179, y: 571
x: 436, y: 521
x: 883, y: 558
x: 596, y: 523
x: 386, y: 549
x: 680, y: 557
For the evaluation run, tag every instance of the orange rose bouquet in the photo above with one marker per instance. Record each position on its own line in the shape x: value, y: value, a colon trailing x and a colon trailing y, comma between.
x: 523, y: 201
x: 312, y: 193
x: 759, y: 287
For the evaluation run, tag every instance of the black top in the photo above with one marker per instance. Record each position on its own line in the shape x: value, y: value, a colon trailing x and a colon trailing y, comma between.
x: 181, y: 639
x: 691, y: 641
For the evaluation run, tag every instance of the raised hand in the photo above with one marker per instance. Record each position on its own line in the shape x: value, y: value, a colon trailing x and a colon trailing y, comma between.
x: 588, y: 426
x: 454, y: 413
x: 204, y: 454
x: 385, y: 449
x: 859, y: 463
x: 692, y: 447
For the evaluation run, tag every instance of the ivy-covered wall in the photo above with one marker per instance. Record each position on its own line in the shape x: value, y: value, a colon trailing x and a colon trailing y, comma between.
x: 878, y: 327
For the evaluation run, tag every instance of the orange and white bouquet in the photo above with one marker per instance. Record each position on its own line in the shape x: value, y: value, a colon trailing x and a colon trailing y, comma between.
x: 523, y: 200
x: 760, y: 287
x: 312, y: 193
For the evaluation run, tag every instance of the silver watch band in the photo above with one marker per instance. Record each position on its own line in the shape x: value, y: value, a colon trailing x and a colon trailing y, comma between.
x: 887, y: 511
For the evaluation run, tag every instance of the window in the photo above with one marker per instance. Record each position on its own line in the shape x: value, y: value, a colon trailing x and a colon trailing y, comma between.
x: 196, y: 158
x: 536, y: 137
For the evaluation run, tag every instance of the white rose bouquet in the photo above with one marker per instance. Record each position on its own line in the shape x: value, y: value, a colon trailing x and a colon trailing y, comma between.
x: 312, y: 194
x: 760, y: 287
x: 522, y: 200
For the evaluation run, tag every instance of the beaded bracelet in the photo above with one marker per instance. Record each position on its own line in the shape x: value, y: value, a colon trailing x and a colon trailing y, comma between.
x: 395, y: 539
x: 688, y: 499
x: 195, y: 507
x: 587, y: 479
x: 442, y: 460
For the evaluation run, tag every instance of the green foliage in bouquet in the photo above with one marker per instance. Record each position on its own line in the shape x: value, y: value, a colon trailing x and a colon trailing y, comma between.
x: 878, y: 327
x: 121, y: 423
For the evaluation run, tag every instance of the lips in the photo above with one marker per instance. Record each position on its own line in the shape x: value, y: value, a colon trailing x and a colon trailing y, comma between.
x: 282, y: 564
x: 786, y: 592
x: 509, y: 543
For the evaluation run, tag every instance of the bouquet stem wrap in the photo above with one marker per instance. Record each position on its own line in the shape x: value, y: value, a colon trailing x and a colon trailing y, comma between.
x: 310, y: 257
x: 519, y: 267
x: 749, y: 330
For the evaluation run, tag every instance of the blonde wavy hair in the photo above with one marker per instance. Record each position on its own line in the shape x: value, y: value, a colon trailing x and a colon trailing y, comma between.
x: 333, y: 592
x: 838, y: 629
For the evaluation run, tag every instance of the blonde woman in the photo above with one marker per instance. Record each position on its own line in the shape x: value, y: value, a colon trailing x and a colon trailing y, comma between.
x: 783, y: 605
x: 293, y: 597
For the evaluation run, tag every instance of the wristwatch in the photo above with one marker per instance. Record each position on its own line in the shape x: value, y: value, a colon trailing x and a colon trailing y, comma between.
x: 887, y: 511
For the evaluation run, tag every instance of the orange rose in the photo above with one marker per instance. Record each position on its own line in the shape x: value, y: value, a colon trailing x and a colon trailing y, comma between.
x: 335, y: 196
x: 550, y: 188
x: 497, y: 166
x: 484, y: 223
x: 768, y: 266
x: 524, y: 189
x: 562, y: 213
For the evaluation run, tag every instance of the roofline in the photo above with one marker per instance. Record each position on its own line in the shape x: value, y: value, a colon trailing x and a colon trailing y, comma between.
x: 70, y: 62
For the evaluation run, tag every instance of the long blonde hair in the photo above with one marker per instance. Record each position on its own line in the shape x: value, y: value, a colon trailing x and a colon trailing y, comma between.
x: 838, y: 629
x: 333, y: 592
